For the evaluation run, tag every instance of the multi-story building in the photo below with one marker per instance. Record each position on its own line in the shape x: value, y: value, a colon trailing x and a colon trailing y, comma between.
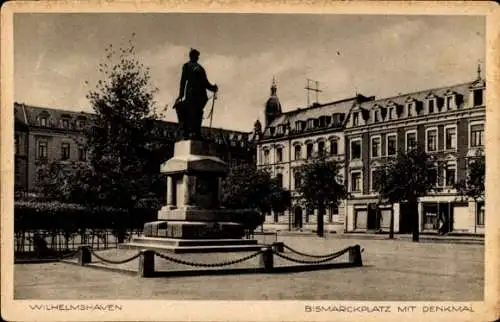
x: 45, y: 135
x: 288, y: 139
x: 448, y: 123
x: 362, y: 133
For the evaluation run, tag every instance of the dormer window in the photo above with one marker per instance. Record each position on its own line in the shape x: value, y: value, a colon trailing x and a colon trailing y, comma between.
x: 431, y: 105
x: 390, y: 112
x: 375, y: 116
x: 322, y: 122
x: 279, y: 130
x: 328, y: 120
x: 355, y: 118
x: 271, y: 130
x: 43, y: 121
x: 477, y: 97
x: 449, y: 101
x: 310, y: 124
x: 65, y: 123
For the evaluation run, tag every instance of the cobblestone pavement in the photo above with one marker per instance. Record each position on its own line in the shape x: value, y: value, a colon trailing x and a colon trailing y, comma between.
x: 394, y: 270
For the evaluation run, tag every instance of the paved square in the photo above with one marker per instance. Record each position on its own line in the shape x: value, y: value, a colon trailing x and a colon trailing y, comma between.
x: 393, y: 271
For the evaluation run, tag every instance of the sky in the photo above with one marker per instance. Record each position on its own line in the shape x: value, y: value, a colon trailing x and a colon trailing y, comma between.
x: 384, y: 55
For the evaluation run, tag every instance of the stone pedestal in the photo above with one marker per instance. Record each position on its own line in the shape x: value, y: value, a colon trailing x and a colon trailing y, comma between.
x: 192, y: 217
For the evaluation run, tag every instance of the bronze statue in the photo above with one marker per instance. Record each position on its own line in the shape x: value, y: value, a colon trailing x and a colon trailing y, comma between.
x: 192, y: 96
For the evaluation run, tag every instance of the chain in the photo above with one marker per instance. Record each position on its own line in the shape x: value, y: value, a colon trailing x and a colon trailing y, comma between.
x: 69, y: 255
x: 179, y: 261
x: 115, y: 262
x: 309, y: 255
x: 313, y: 262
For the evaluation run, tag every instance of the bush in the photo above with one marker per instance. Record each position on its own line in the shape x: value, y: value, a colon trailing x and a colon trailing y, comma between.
x: 30, y: 215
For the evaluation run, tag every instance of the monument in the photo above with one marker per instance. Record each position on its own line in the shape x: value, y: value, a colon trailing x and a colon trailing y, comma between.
x: 192, y: 219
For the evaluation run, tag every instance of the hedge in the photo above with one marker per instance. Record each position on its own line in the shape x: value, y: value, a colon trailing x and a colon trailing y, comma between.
x: 30, y: 215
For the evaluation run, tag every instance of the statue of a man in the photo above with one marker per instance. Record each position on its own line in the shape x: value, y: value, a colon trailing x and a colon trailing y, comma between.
x: 193, y: 96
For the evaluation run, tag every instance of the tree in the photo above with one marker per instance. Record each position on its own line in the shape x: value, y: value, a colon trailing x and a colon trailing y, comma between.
x: 473, y: 185
x: 319, y: 186
x: 406, y: 178
x: 247, y: 187
x: 119, y: 138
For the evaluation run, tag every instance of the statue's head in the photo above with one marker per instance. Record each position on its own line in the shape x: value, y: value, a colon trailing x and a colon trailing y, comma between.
x: 194, y: 55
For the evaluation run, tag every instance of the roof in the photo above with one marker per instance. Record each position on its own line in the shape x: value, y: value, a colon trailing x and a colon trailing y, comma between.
x: 27, y: 114
x: 461, y: 89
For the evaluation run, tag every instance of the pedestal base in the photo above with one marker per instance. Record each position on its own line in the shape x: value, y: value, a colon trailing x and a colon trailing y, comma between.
x: 175, y: 245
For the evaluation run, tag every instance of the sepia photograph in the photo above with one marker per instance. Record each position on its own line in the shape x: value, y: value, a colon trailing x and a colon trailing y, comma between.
x: 332, y: 162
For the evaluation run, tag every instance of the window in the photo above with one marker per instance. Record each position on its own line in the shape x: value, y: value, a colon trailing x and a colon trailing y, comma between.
x: 433, y: 176
x: 355, y: 119
x: 332, y: 211
x: 391, y: 144
x: 480, y: 214
x: 309, y: 150
x: 373, y: 175
x: 16, y: 144
x: 279, y: 179
x: 375, y: 116
x: 431, y: 106
x: 411, y: 140
x: 296, y: 178
x: 356, y: 181
x: 310, y: 124
x: 356, y: 149
x: 42, y: 149
x: 409, y: 108
x: 478, y: 97
x: 279, y: 154
x: 375, y: 147
x: 321, y: 148
x: 431, y: 140
x: 449, y: 175
x: 298, y: 152
x: 65, y: 123
x: 389, y: 113
x: 298, y: 126
x: 43, y: 121
x: 334, y: 147
x: 65, y: 151
x: 450, y: 138
x: 82, y: 155
x: 80, y: 124
x: 449, y: 102
x: 477, y: 135
x: 266, y: 156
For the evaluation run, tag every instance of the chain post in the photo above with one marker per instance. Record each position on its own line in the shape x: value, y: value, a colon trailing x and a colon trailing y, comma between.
x: 355, y: 256
x: 84, y: 255
x: 266, y: 259
x: 146, y: 263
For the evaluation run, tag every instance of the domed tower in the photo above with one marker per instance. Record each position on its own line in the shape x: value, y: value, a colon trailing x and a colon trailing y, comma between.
x: 273, y: 105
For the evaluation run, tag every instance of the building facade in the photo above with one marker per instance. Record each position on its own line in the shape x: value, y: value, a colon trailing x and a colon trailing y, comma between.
x: 449, y: 124
x: 46, y: 135
x: 290, y: 138
x: 362, y: 133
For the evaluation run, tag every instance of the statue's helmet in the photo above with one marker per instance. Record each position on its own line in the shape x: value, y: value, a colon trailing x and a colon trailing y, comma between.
x: 193, y: 53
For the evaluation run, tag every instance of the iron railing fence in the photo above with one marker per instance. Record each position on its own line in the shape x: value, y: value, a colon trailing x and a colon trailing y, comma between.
x: 60, y: 240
